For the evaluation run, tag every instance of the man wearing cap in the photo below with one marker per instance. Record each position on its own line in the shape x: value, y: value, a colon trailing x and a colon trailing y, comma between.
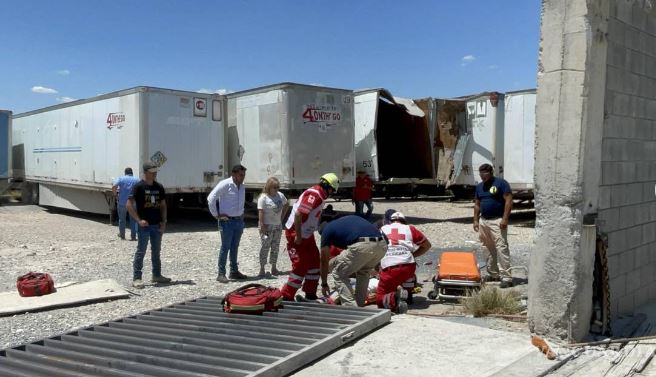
x: 362, y: 194
x: 492, y: 206
x: 363, y: 247
x: 226, y: 203
x: 397, y: 275
x: 301, y: 246
x: 124, y: 186
x: 147, y: 205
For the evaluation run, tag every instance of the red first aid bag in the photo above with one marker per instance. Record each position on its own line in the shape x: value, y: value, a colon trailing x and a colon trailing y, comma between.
x: 253, y: 299
x: 35, y: 284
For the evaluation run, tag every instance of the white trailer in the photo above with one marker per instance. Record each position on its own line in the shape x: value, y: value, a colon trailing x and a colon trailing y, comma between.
x: 519, y: 139
x: 482, y: 143
x: 392, y: 139
x: 5, y: 149
x: 73, y: 151
x: 293, y: 132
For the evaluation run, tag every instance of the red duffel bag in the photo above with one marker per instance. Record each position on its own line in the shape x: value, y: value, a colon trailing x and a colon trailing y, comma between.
x: 35, y: 284
x: 253, y: 299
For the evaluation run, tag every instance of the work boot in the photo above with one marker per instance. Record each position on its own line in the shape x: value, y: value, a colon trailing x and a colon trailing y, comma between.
x: 490, y: 278
x: 137, y: 283
x: 401, y: 294
x: 237, y: 276
x: 222, y: 279
x: 506, y: 283
x: 311, y: 296
x: 274, y: 270
x: 121, y: 237
x: 402, y: 307
x: 160, y: 279
x: 262, y: 273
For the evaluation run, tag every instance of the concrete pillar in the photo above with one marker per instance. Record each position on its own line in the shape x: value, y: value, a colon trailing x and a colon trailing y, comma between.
x: 569, y: 126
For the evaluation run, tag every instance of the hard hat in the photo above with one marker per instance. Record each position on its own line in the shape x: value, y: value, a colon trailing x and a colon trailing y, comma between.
x: 331, y: 179
x: 397, y: 216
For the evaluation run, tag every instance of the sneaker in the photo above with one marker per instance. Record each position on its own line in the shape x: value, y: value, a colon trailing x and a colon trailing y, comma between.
x: 401, y: 294
x: 121, y: 237
x: 402, y: 307
x: 137, y: 283
x: 160, y: 279
x: 133, y: 239
x: 261, y: 275
x: 311, y: 296
x: 222, y: 279
x: 300, y: 298
x: 506, y: 284
x: 237, y: 276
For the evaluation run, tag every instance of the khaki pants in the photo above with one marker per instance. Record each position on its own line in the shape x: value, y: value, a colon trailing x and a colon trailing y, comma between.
x: 495, y: 240
x: 359, y: 259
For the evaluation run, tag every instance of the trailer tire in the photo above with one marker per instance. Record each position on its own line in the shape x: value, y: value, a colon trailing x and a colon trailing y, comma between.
x: 432, y: 295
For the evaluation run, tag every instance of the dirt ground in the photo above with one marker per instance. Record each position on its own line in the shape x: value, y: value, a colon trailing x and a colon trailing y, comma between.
x: 83, y: 247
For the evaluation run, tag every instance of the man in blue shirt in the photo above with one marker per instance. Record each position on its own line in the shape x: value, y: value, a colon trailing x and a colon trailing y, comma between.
x: 226, y: 204
x: 124, y: 186
x: 363, y: 247
x: 492, y: 205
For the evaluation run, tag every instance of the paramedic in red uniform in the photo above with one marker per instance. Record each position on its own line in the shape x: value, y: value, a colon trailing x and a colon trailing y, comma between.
x: 362, y: 194
x: 405, y: 243
x: 301, y: 245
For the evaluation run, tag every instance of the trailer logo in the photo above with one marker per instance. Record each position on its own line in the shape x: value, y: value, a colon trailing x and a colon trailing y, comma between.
x: 200, y: 107
x: 115, y: 120
x: 323, y: 116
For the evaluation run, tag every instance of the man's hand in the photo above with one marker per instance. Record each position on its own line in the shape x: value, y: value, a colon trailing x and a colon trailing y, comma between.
x: 476, y: 226
x: 143, y: 223
x: 162, y: 227
x: 503, y: 224
x: 325, y: 290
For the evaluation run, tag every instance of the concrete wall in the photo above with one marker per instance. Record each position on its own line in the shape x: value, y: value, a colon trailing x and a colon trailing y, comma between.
x: 595, y: 152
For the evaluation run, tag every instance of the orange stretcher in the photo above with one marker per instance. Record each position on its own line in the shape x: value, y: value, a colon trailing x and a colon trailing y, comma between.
x: 457, y: 272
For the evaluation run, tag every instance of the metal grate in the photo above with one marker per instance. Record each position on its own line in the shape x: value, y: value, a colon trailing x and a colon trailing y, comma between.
x: 196, y: 338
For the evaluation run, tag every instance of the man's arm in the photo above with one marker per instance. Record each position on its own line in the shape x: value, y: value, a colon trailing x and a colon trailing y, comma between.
x: 325, y: 258
x: 298, y: 220
x: 114, y: 187
x: 506, y: 210
x: 477, y: 213
x: 132, y: 210
x: 211, y: 201
x: 423, y: 248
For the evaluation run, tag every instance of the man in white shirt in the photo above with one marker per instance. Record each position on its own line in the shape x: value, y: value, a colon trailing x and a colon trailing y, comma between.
x: 226, y: 203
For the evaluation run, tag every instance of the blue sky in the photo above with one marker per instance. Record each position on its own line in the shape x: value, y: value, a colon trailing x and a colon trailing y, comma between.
x: 56, y: 51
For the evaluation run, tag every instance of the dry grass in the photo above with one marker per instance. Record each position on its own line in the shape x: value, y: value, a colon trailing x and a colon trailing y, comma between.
x: 492, y: 300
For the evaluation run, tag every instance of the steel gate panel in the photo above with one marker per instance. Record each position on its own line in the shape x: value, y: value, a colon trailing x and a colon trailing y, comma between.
x: 196, y: 338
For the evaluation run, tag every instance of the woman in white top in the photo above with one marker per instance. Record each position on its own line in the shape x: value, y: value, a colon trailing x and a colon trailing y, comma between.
x: 271, y: 206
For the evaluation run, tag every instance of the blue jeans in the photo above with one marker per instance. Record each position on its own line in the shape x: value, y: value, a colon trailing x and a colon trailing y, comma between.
x: 122, y: 213
x: 230, y: 231
x: 359, y: 207
x: 145, y: 233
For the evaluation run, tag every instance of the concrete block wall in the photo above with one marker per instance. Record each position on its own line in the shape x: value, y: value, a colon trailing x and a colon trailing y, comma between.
x: 595, y: 160
x: 627, y: 199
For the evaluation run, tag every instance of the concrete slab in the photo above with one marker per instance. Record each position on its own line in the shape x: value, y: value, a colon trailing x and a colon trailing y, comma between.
x: 67, y: 294
x: 418, y: 346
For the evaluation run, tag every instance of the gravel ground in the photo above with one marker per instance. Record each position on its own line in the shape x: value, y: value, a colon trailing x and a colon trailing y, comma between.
x: 82, y: 247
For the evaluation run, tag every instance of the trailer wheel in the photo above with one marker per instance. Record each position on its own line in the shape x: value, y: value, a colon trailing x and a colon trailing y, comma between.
x: 432, y: 295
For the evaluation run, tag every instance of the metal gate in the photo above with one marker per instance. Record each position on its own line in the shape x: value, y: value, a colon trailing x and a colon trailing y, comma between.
x: 196, y: 338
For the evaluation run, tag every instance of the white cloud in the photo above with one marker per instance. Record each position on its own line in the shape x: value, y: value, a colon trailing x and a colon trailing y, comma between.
x: 66, y: 99
x: 63, y: 72
x: 467, y: 59
x: 43, y: 90
x: 214, y: 91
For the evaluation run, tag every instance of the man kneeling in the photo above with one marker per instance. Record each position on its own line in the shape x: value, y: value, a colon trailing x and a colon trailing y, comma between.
x: 363, y: 245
